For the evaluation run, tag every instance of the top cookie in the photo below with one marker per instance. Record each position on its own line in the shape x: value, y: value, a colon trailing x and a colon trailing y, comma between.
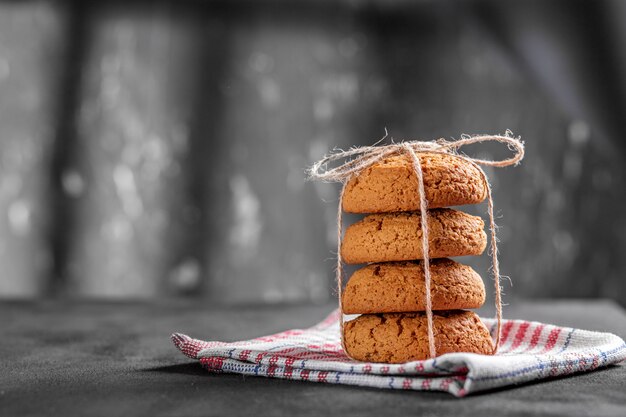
x: 391, y: 185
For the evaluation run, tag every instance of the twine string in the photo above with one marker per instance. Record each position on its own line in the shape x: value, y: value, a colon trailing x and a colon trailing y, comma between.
x: 339, y: 270
x: 358, y: 159
x: 495, y: 264
x: 417, y: 167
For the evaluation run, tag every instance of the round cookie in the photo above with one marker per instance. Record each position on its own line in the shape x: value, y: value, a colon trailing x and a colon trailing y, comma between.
x: 398, y: 237
x: 403, y: 337
x: 396, y: 287
x: 391, y: 185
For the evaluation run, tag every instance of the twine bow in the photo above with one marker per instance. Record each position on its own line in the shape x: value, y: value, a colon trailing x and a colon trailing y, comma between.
x: 358, y: 159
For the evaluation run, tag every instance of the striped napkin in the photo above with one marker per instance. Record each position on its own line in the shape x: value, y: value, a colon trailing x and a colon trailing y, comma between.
x: 529, y: 351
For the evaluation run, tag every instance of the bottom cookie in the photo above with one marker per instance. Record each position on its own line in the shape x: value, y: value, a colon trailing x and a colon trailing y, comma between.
x: 403, y: 337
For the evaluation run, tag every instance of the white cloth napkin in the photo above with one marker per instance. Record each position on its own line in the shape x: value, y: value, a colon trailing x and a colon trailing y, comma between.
x: 529, y: 351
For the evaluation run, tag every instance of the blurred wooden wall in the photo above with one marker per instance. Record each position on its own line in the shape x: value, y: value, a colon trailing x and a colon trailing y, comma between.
x: 159, y: 148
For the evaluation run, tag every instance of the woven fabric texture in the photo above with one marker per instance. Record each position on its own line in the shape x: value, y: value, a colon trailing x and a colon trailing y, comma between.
x: 530, y: 351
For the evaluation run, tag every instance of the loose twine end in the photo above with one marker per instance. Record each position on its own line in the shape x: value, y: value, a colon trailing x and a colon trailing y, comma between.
x: 357, y: 159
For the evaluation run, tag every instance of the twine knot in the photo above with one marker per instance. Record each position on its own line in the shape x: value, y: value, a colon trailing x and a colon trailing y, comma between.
x: 356, y: 159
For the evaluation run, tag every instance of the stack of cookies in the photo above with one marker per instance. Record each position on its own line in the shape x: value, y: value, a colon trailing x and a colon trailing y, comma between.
x: 389, y: 293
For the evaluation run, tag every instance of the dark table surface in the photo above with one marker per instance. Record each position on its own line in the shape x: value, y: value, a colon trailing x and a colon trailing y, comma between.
x: 80, y: 358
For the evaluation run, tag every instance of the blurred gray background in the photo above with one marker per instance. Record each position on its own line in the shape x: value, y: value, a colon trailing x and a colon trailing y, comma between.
x: 158, y: 149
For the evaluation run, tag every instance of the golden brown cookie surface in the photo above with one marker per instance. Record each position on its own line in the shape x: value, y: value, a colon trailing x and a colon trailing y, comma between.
x: 391, y: 185
x: 398, y: 237
x: 403, y: 337
x: 395, y: 287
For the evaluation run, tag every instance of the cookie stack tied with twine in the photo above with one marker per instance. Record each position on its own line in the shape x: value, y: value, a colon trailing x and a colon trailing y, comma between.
x: 410, y: 297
